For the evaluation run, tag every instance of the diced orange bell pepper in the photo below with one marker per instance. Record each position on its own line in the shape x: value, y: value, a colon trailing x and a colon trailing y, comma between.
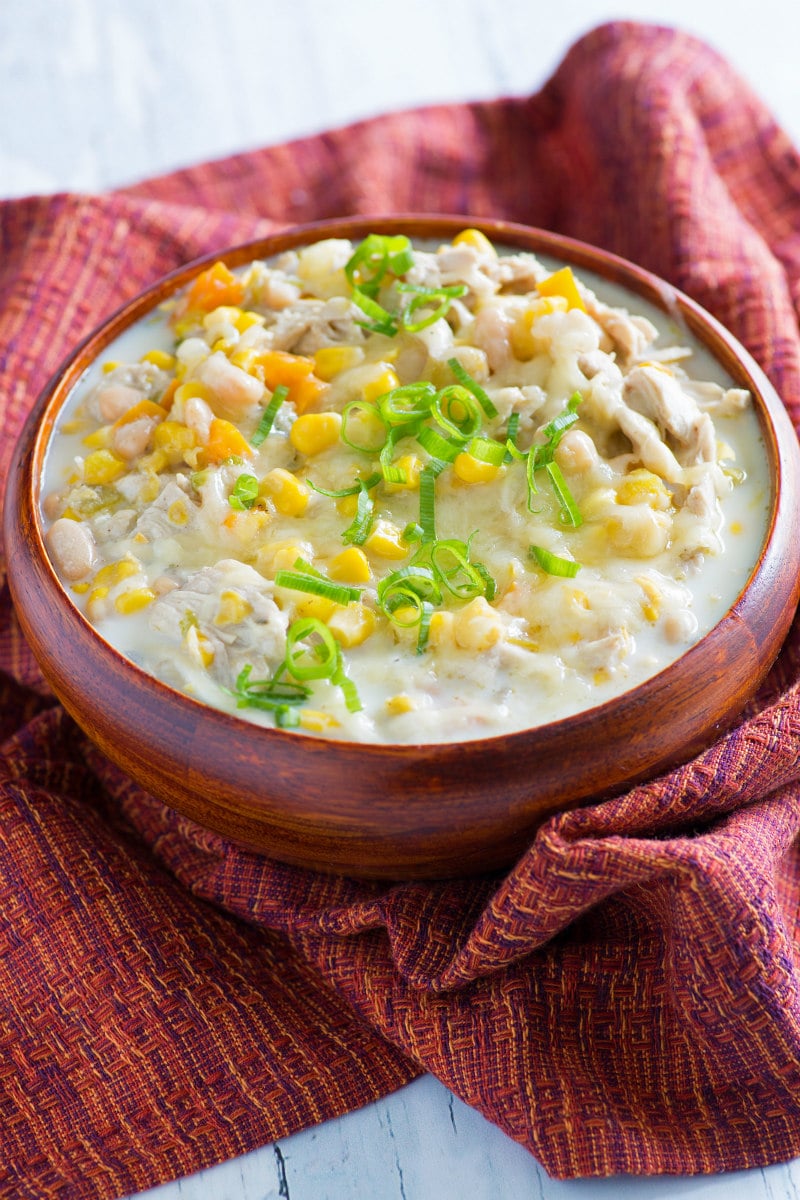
x: 225, y: 441
x: 295, y: 372
x: 213, y: 287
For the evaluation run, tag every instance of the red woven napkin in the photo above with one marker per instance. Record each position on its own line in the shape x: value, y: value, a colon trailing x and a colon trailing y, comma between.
x: 626, y: 999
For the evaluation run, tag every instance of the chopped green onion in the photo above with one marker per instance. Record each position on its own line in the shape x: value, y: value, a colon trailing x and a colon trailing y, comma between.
x: 409, y: 402
x: 553, y: 564
x: 392, y: 474
x: 489, y: 582
x: 312, y: 652
x: 422, y: 299
x: 451, y: 565
x: 244, y: 494
x: 317, y: 585
x: 511, y: 435
x: 408, y: 588
x: 380, y: 321
x: 269, y: 414
x: 357, y: 531
x: 353, y: 490
x: 424, y: 626
x: 570, y: 513
x: 487, y: 450
x: 374, y: 256
x: 374, y: 416
x: 349, y: 690
x: 457, y: 411
x: 269, y: 695
x: 441, y: 450
x: 427, y: 501
x: 465, y: 379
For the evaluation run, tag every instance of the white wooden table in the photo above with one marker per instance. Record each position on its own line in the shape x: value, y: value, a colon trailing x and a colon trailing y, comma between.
x: 97, y: 93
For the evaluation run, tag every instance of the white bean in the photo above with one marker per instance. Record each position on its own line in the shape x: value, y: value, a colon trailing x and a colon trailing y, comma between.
x: 115, y: 400
x: 131, y: 440
x: 71, y: 547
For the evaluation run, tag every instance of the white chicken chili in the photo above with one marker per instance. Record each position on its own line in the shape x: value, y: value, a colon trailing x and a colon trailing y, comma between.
x: 400, y: 493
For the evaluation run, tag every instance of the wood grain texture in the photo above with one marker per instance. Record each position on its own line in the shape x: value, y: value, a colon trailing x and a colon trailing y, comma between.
x: 97, y: 92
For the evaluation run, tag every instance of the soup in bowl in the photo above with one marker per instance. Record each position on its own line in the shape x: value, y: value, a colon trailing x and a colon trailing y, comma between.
x: 371, y: 544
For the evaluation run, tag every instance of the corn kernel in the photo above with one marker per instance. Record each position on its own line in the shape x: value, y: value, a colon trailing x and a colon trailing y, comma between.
x: 332, y: 360
x: 175, y: 440
x: 314, y: 432
x: 412, y: 466
x: 315, y: 721
x: 96, y: 598
x: 98, y: 439
x: 281, y: 556
x: 80, y: 588
x: 477, y: 240
x: 347, y: 506
x: 247, y: 319
x: 199, y: 647
x: 651, y: 606
x: 288, y: 493
x: 470, y: 469
x: 477, y: 626
x: 177, y: 513
x: 644, y: 487
x: 149, y: 490
x: 159, y: 358
x: 134, y: 600
x: 248, y: 360
x: 350, y: 566
x: 109, y: 366
x: 522, y: 335
x: 233, y: 608
x: 562, y: 283
x: 386, y: 540
x: 399, y: 704
x: 115, y: 572
x: 318, y: 607
x: 440, y: 630
x: 352, y: 625
x: 103, y: 466
x: 384, y: 380
x: 151, y: 464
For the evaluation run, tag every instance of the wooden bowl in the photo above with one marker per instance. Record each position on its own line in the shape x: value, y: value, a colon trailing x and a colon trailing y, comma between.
x: 403, y: 811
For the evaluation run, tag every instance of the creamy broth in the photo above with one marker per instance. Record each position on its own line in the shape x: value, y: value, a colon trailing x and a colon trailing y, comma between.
x: 412, y: 496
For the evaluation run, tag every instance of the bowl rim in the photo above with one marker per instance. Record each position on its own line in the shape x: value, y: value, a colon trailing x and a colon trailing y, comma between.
x: 688, y: 313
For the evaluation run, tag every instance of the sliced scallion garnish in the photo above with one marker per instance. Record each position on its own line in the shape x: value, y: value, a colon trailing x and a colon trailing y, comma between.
x: 357, y: 531
x: 427, y: 504
x: 268, y: 416
x: 408, y: 403
x: 352, y: 490
x: 570, y: 513
x: 487, y: 450
x: 312, y: 651
x: 380, y: 320
x: 553, y: 564
x: 361, y: 417
x: 465, y: 379
x: 244, y: 493
x: 457, y: 411
x: 317, y: 585
x: 423, y: 298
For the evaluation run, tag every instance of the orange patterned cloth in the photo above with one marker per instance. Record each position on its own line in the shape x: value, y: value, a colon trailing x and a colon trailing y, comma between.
x: 626, y: 999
